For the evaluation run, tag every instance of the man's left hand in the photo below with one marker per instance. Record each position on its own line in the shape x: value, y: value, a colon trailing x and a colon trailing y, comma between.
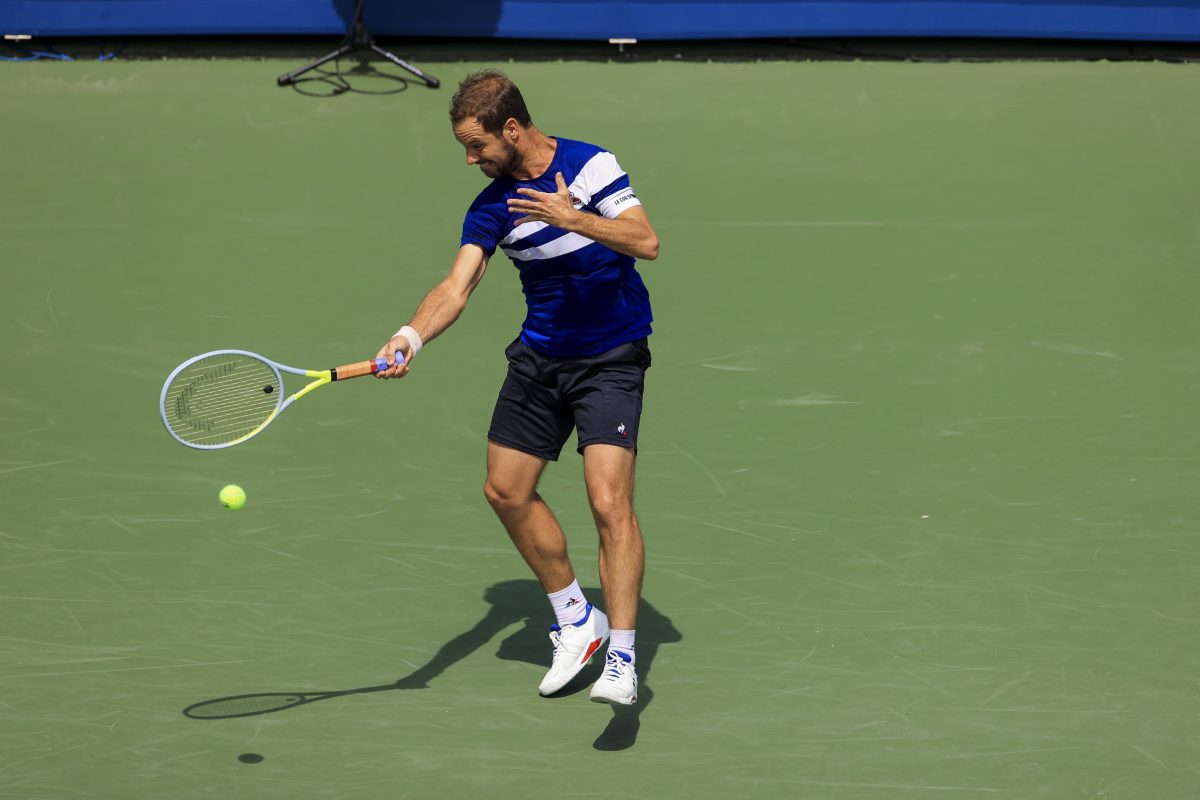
x: 552, y: 208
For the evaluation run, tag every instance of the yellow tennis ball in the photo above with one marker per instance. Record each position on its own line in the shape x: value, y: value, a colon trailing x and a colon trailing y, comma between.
x: 233, y: 497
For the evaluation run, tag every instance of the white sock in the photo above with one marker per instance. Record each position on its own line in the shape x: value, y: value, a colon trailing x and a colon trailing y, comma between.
x: 623, y: 641
x: 568, y: 604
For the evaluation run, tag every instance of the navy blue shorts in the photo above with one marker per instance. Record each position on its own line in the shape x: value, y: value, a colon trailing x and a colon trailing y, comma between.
x: 544, y: 398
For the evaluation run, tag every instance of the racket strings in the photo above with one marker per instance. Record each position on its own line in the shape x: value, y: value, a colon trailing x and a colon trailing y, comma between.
x: 222, y: 398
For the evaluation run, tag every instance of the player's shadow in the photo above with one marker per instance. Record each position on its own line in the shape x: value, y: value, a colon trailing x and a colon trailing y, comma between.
x: 509, y: 603
x: 524, y: 601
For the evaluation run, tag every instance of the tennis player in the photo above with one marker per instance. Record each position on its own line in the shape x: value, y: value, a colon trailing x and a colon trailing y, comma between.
x: 564, y: 212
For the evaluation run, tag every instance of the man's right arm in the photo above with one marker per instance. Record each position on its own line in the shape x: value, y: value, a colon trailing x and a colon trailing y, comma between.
x: 440, y: 308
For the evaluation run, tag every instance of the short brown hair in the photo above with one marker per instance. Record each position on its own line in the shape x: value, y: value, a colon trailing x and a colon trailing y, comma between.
x: 490, y: 97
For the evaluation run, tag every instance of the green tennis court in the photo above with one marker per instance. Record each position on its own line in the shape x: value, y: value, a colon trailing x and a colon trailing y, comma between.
x: 919, y: 466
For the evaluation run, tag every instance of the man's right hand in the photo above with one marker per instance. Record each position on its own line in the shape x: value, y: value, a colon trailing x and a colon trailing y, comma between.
x: 388, y: 353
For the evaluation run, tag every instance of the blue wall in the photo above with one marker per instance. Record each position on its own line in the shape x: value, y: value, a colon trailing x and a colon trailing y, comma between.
x: 1151, y: 20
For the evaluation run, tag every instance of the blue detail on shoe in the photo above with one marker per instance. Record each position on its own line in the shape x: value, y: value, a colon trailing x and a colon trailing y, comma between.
x: 613, y: 669
x: 587, y: 612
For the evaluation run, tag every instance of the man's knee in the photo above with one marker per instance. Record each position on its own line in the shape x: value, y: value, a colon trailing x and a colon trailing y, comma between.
x: 496, y: 495
x: 503, y: 496
x: 612, y: 508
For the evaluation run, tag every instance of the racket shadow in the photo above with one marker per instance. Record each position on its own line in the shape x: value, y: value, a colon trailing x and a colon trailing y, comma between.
x: 509, y: 603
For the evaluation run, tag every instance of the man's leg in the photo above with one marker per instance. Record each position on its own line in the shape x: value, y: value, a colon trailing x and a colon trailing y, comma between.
x: 511, y: 489
x: 608, y: 471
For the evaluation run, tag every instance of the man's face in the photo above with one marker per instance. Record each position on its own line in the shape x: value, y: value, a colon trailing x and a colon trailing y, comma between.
x: 494, y: 155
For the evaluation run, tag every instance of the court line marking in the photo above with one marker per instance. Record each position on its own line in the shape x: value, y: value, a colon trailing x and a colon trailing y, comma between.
x: 1147, y: 755
x: 804, y: 223
x: 34, y: 466
x: 918, y: 787
x: 130, y: 669
x: 1005, y: 687
x: 716, y: 484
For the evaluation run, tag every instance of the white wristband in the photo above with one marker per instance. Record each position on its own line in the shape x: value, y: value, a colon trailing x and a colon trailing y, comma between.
x: 414, y: 339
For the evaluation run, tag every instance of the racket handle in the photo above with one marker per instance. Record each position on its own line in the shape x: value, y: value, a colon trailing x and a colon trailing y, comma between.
x: 364, y: 368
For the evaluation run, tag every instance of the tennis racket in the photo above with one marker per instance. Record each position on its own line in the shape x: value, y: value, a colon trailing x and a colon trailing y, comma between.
x: 226, y: 397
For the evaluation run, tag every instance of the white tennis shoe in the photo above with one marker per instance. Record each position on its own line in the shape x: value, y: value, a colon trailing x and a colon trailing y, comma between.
x: 574, y: 646
x: 618, y: 683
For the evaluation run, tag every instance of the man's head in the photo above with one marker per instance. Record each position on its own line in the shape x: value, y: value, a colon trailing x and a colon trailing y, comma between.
x: 489, y: 116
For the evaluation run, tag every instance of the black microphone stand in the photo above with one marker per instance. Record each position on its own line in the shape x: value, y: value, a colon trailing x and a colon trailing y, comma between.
x: 358, y: 39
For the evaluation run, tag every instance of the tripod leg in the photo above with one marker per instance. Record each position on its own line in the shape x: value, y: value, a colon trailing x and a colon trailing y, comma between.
x: 284, y: 80
x: 430, y: 81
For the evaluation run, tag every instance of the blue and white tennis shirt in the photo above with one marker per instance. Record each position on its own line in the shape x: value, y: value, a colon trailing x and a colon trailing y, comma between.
x: 583, y: 298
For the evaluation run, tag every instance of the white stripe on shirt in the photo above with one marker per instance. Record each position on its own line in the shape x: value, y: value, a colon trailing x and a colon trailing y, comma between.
x: 618, y: 202
x: 567, y: 243
x: 523, y: 230
x: 599, y: 171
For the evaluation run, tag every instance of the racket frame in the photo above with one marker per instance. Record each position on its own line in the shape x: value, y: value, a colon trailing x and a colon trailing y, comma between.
x: 320, y: 378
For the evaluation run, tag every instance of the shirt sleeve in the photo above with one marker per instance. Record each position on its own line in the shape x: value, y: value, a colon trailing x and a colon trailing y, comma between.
x: 482, y: 226
x: 607, y: 185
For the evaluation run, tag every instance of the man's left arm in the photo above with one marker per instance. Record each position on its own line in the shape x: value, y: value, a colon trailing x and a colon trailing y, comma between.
x: 630, y: 232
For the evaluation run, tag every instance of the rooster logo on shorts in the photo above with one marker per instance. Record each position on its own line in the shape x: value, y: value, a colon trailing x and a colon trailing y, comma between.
x: 621, y: 431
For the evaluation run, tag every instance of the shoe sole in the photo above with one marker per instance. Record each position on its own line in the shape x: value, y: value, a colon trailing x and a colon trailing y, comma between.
x: 599, y: 698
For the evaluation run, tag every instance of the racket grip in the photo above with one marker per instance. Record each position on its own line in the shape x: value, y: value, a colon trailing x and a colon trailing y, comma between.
x: 364, y: 367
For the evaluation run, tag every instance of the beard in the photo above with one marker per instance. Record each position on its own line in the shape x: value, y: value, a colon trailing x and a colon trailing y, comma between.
x: 506, y: 164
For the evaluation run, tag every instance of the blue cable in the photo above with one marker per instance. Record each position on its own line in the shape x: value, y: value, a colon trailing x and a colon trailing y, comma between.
x: 113, y: 54
x: 37, y: 55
